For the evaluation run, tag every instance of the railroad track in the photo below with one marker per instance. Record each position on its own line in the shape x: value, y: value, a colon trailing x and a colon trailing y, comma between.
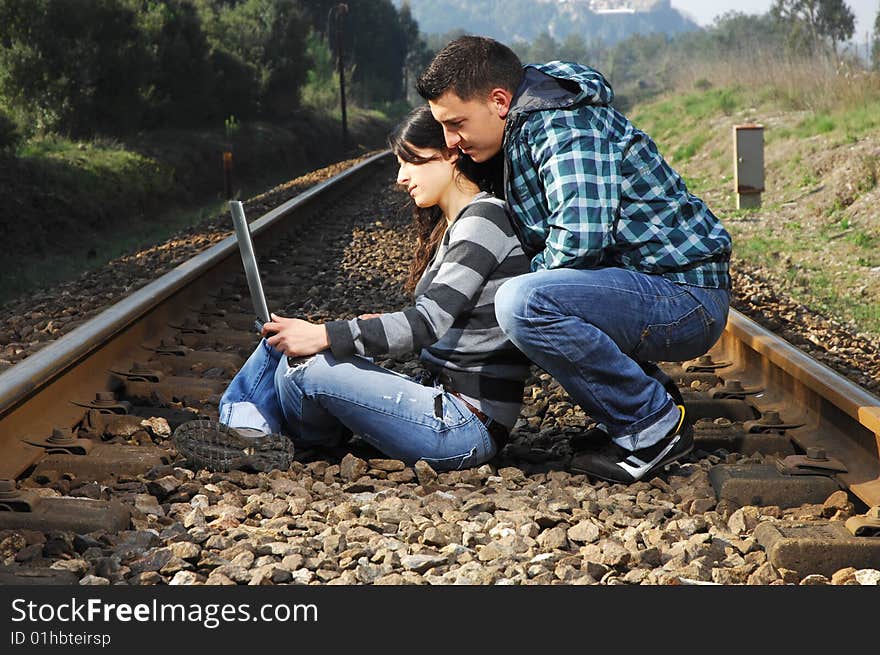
x: 163, y: 355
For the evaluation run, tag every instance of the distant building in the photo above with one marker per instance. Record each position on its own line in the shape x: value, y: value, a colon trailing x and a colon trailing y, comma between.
x: 619, y: 6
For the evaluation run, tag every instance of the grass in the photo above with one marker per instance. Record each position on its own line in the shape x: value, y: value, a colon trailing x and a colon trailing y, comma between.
x: 820, y: 250
x: 691, y: 148
x: 77, y: 172
x: 29, y: 271
x: 759, y: 248
x: 73, y: 206
x: 862, y: 239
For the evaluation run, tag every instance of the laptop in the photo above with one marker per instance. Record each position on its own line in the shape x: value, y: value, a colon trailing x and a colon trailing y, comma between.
x: 246, y: 248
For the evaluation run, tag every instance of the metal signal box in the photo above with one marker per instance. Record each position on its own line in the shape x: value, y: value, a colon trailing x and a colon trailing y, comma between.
x: 748, y: 165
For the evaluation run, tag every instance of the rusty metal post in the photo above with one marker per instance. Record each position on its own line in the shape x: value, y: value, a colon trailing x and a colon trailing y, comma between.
x: 341, y: 10
x: 748, y: 165
x: 227, y: 174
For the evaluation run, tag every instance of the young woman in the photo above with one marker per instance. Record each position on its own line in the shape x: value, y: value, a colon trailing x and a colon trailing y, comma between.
x: 327, y: 386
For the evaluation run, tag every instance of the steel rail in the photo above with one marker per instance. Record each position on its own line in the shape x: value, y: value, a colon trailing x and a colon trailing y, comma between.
x: 839, y: 416
x: 71, y: 367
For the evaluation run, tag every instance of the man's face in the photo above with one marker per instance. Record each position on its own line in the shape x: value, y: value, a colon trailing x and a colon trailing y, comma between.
x: 476, y: 126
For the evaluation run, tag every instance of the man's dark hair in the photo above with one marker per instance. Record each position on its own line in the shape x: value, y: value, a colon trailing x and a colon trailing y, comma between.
x: 470, y: 66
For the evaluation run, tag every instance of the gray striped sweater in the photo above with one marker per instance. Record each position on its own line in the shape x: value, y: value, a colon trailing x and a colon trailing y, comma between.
x: 452, y: 324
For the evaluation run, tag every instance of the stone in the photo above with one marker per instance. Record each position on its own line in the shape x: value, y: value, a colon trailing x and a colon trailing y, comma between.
x: 292, y: 562
x: 158, y: 426
x: 174, y: 565
x: 281, y: 576
x: 815, y: 579
x: 837, y: 502
x: 29, y: 553
x: 636, y: 576
x: 147, y: 578
x: 301, y: 576
x: 844, y: 576
x: 490, y: 552
x: 352, y: 468
x: 94, y: 581
x: 584, y: 532
x: 148, y: 505
x: 745, y: 519
x: 614, y: 554
x: 368, y: 573
x: 195, y: 518
x: 868, y: 577
x: 199, y: 501
x: 279, y: 548
x: 512, y: 474
x: 391, y: 579
x: 700, y: 506
x: 185, y: 550
x: 433, y: 537
x: 152, y: 561
x: 649, y: 557
x: 478, y: 505
x: 217, y: 578
x: 402, y: 477
x: 184, y: 578
x: 728, y: 576
x: 425, y: 474
x: 274, y: 508
x: 422, y: 562
x: 553, y: 538
x: 389, y: 465
x: 163, y: 487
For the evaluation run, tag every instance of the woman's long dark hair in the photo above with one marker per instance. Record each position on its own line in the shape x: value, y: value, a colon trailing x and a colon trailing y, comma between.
x: 420, y: 130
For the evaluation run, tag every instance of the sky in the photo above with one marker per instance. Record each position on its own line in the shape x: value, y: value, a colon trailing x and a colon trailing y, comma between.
x: 703, y: 12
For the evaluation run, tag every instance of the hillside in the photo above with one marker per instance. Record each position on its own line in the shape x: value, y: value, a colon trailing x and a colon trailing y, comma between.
x: 72, y: 206
x: 509, y: 20
x: 817, y: 235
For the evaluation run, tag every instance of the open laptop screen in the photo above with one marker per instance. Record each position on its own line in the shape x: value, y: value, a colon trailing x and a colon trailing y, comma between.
x: 246, y: 248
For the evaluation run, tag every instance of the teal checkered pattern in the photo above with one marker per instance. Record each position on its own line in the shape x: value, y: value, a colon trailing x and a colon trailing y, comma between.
x: 589, y: 190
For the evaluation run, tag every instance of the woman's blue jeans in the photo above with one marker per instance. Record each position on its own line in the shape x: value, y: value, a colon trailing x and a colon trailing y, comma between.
x: 318, y: 400
x: 593, y: 330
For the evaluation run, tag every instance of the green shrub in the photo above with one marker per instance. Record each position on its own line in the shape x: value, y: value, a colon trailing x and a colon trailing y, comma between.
x: 321, y: 90
x: 73, y: 66
x: 10, y: 136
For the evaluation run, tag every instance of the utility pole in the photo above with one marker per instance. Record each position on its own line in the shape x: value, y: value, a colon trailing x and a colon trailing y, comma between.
x: 341, y: 9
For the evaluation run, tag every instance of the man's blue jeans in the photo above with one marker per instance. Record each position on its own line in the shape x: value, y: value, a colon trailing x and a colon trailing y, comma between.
x: 593, y: 329
x: 320, y: 400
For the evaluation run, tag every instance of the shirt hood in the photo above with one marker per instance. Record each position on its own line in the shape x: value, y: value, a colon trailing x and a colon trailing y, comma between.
x: 559, y: 85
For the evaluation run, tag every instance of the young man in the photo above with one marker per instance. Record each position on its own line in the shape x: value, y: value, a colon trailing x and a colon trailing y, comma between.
x: 628, y: 267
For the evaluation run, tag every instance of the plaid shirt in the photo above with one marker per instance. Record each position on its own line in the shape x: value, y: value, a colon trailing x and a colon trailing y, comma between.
x: 588, y: 190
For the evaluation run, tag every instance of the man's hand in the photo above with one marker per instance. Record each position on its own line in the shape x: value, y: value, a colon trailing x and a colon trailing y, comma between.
x: 364, y: 317
x: 295, y: 337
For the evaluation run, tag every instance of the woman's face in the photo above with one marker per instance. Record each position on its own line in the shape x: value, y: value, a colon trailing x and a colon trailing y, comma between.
x: 427, y: 182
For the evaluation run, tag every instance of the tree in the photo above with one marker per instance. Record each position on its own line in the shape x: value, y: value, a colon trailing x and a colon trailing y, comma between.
x: 418, y: 56
x: 259, y: 46
x: 285, y: 58
x: 76, y: 67
x: 573, y: 48
x: 836, y: 21
x: 544, y: 48
x: 180, y: 76
x: 813, y: 23
x: 875, y: 46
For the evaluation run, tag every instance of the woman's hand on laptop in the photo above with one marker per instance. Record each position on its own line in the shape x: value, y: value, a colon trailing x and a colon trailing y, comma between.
x: 295, y: 337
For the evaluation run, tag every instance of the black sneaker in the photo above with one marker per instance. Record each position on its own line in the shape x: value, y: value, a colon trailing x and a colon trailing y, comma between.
x: 217, y: 447
x: 617, y: 464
